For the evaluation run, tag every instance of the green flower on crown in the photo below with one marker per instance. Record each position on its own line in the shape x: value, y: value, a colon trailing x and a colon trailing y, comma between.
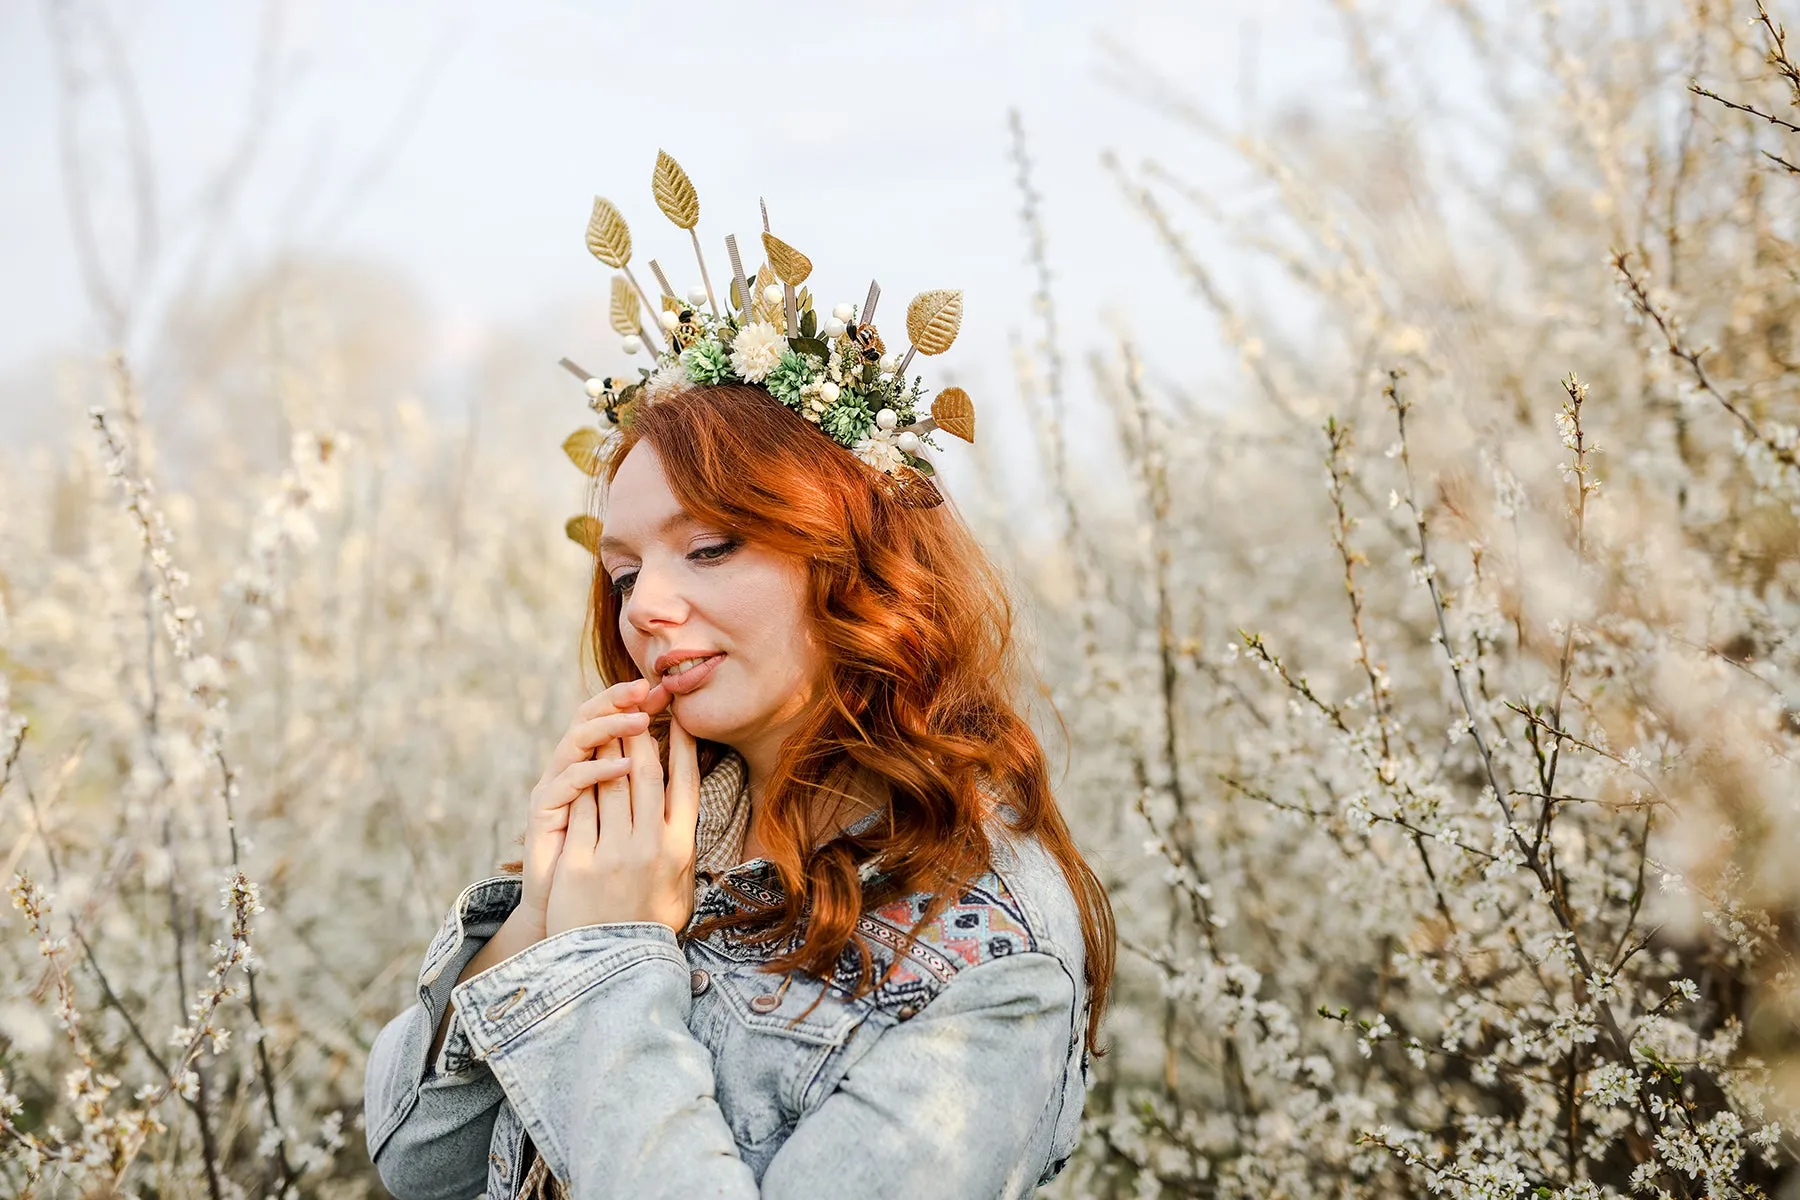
x: 792, y: 373
x: 707, y: 362
x: 848, y: 421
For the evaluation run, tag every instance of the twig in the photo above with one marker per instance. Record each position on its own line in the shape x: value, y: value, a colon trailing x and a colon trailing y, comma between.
x: 1575, y: 439
x: 1640, y: 299
x: 1203, y: 283
x: 1748, y: 109
x: 1049, y: 349
x: 1781, y: 162
x: 1778, y: 55
x: 1156, y: 485
x: 182, y: 628
x: 1552, y: 894
x: 1338, y: 441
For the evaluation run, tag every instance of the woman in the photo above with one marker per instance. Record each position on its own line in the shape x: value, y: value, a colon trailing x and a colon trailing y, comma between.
x: 797, y: 914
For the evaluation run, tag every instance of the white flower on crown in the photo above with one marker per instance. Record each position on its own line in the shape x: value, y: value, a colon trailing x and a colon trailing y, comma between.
x: 669, y: 379
x: 879, y: 451
x: 755, y: 351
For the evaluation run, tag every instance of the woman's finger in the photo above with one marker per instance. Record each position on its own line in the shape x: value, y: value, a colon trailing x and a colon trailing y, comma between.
x: 615, y: 798
x: 583, y: 825
x: 550, y: 804
x: 589, y: 734
x: 683, y: 793
x: 646, y: 787
x: 655, y: 699
x: 574, y: 746
x: 585, y: 737
x: 625, y: 694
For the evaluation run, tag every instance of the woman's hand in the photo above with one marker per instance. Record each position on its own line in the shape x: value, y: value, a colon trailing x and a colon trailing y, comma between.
x: 574, y: 770
x: 629, y: 855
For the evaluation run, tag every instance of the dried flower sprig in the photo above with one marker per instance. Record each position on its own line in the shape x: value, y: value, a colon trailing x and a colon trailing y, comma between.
x: 108, y: 1143
x: 1772, y: 456
x: 199, y: 673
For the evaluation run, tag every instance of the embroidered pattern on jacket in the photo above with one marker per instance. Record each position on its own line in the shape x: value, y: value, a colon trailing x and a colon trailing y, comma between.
x: 985, y: 922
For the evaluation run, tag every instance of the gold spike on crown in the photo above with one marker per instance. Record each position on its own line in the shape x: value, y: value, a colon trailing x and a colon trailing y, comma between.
x: 835, y: 372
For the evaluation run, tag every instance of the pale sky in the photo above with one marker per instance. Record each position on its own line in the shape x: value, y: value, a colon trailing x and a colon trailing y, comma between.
x: 462, y: 143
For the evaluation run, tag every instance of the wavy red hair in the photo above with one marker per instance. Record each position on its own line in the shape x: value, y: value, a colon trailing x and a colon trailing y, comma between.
x: 919, y: 682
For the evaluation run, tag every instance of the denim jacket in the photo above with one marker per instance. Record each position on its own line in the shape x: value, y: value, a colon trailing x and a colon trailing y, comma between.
x: 642, y: 1067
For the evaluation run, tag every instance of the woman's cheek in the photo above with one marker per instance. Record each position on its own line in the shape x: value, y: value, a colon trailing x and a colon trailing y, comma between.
x: 634, y: 646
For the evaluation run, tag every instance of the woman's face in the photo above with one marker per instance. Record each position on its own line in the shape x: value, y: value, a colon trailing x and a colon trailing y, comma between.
x: 684, y: 587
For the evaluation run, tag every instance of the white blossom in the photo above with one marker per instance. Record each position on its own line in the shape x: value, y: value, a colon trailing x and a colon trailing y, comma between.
x: 879, y: 451
x: 668, y: 379
x: 757, y: 350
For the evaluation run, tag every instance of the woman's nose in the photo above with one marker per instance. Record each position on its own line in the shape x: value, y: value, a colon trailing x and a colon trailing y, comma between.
x: 654, y: 600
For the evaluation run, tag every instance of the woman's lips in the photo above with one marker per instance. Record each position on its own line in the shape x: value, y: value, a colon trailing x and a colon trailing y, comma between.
x: 693, y: 677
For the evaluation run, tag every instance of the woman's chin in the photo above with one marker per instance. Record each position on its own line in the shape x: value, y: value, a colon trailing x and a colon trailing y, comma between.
x: 699, y: 716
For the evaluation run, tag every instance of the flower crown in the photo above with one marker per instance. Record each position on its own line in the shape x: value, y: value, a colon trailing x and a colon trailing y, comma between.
x: 835, y: 372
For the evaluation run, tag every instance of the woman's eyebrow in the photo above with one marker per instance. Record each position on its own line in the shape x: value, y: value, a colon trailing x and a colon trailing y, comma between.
x: 607, y: 542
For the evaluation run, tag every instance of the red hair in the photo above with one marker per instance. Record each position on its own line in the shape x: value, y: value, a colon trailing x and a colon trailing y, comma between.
x: 917, y: 688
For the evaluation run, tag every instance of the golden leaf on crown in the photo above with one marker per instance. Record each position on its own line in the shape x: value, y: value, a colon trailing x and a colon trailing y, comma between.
x: 762, y: 308
x: 624, y: 309
x: 791, y: 266
x: 675, y: 193
x: 608, y: 236
x: 584, y: 531
x: 954, y: 413
x: 932, y: 320
x: 911, y: 488
x: 583, y: 448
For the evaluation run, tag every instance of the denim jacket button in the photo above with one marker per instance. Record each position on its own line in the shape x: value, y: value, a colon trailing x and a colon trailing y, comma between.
x: 699, y: 981
x: 768, y: 1002
x: 907, y: 1012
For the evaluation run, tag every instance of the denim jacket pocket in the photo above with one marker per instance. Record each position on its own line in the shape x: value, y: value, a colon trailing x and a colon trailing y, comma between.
x: 778, y: 1032
x: 796, y: 1007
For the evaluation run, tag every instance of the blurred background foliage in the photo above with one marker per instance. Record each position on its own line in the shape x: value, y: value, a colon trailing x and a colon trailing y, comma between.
x: 1429, y: 676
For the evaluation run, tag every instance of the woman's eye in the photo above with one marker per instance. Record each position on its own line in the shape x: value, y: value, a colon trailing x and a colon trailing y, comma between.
x: 714, y: 552
x: 621, y: 584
